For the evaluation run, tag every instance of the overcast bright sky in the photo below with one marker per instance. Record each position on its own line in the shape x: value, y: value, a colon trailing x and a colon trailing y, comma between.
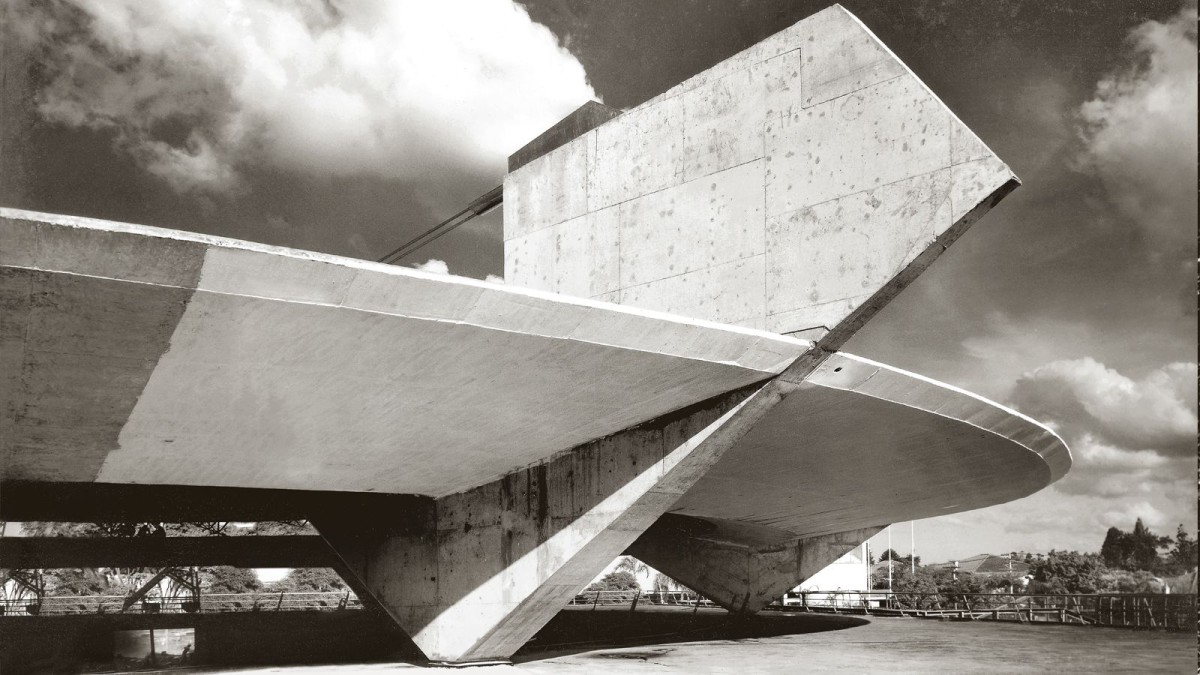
x: 349, y: 127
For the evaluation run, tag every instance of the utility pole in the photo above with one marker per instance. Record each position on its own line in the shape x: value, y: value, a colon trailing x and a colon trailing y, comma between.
x: 891, y: 552
x: 912, y: 545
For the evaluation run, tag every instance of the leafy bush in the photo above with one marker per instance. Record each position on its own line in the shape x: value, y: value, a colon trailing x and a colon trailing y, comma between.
x: 616, y: 581
x: 226, y: 579
x: 1069, y: 572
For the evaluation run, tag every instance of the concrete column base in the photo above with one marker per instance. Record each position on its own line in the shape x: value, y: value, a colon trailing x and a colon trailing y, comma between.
x: 474, y: 575
x: 741, y: 567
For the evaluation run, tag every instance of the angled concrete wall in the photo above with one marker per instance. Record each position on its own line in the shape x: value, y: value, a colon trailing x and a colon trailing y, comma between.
x: 485, y: 569
x: 782, y: 189
x: 742, y: 569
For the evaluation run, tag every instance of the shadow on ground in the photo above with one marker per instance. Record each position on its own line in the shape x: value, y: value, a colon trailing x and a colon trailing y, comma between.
x: 71, y: 644
x: 579, y: 630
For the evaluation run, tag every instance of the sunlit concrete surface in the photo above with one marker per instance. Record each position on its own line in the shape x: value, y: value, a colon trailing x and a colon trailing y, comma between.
x: 795, y: 189
x: 139, y: 355
x: 907, y: 447
x: 780, y: 189
x: 142, y: 355
x: 880, y: 645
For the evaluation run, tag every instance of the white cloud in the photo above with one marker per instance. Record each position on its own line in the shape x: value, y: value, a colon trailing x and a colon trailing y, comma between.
x: 1050, y: 519
x: 1157, y: 412
x: 1104, y: 470
x: 196, y: 91
x: 433, y: 266
x: 1140, y: 133
x: 1004, y: 346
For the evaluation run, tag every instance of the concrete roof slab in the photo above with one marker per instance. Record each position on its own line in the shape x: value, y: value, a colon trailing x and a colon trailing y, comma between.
x: 862, y: 444
x: 254, y: 366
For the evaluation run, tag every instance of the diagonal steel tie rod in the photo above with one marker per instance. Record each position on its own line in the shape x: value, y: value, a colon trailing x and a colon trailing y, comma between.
x: 490, y: 200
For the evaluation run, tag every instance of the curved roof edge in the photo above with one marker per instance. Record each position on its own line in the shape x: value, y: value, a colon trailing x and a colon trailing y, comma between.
x: 879, y: 380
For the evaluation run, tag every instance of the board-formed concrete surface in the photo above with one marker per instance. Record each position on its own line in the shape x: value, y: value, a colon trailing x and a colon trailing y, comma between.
x: 532, y: 437
x: 781, y: 189
x: 149, y: 356
x: 136, y: 354
x: 238, y: 348
x: 908, y: 447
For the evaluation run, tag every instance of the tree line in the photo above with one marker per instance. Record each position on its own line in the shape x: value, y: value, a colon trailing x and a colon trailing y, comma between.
x: 1128, y: 562
x: 215, y: 579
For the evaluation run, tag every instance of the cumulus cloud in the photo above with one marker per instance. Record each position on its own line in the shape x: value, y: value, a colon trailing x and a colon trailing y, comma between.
x: 197, y: 91
x: 1140, y: 132
x: 1156, y: 413
x: 1103, y: 470
x: 433, y: 266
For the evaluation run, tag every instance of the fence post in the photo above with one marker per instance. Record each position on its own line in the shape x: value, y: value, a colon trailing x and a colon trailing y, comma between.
x: 596, y: 601
x: 636, y: 597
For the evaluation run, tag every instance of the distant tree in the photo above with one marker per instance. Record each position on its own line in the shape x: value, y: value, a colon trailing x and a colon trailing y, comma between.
x: 124, y: 529
x: 200, y: 529
x: 889, y: 554
x: 906, y: 560
x: 1070, y: 572
x: 661, y: 582
x: 904, y: 581
x: 311, y: 580
x: 1145, y: 546
x: 62, y: 582
x: 1136, y: 550
x: 281, y: 528
x: 948, y: 581
x: 224, y: 579
x: 616, y: 581
x: 1183, y: 555
x: 1115, y: 549
x: 632, y: 565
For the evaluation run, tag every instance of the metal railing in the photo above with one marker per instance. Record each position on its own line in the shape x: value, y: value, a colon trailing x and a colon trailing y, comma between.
x: 1137, y: 610
x: 633, y: 598
x: 208, y: 603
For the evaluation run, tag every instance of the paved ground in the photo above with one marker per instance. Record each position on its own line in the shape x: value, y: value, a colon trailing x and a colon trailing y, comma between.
x: 845, y: 644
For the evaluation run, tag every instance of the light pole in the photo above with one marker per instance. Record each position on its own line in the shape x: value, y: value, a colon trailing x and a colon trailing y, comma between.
x: 912, y: 545
x: 891, y: 552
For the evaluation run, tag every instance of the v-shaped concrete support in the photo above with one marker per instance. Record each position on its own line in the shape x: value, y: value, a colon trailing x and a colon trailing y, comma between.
x: 477, y: 573
x: 739, y: 571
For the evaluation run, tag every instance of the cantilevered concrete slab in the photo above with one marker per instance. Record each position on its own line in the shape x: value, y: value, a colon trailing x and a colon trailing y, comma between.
x: 795, y: 188
x: 782, y: 504
x: 861, y: 443
x: 140, y: 355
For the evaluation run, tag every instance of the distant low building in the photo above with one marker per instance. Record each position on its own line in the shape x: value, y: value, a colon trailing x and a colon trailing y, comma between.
x: 985, y: 563
x: 851, y: 572
x: 881, y: 568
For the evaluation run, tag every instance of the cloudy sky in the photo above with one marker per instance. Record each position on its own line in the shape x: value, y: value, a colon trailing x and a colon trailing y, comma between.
x: 349, y: 127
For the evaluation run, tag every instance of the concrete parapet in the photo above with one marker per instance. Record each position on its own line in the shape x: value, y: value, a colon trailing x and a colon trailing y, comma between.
x: 794, y: 187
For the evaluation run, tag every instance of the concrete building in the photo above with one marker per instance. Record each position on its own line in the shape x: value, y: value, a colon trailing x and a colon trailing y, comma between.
x: 851, y: 572
x: 660, y: 376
